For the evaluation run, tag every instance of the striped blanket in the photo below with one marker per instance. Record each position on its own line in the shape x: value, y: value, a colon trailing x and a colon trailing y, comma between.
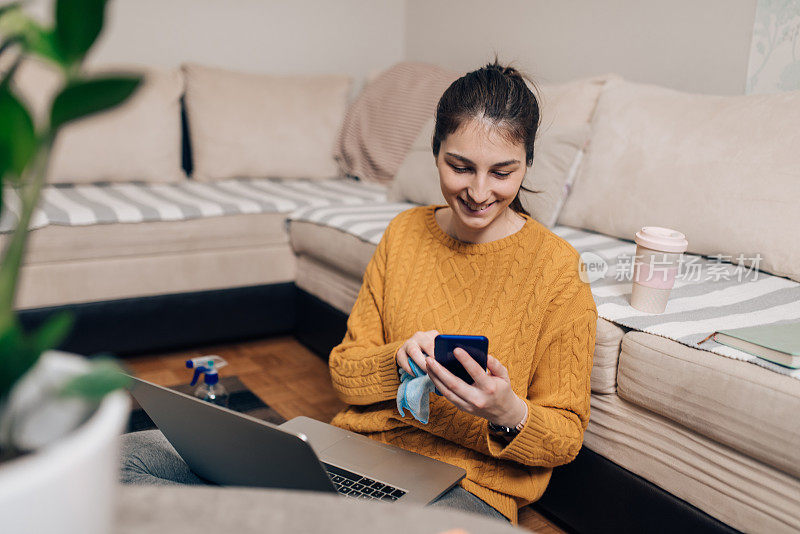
x: 103, y: 203
x: 708, y: 295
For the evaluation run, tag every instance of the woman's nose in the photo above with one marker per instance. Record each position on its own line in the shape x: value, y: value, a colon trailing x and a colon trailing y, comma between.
x: 478, y: 189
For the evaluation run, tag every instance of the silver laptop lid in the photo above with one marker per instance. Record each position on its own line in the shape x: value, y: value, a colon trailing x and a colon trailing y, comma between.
x: 229, y: 448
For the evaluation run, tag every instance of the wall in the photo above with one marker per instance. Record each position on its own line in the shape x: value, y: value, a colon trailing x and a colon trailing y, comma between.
x: 692, y: 45
x: 276, y: 36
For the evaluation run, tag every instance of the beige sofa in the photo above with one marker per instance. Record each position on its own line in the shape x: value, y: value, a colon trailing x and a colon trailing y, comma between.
x: 704, y: 440
x: 719, y: 434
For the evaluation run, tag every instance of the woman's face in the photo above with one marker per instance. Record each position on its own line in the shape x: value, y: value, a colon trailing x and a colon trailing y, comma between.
x: 480, y: 173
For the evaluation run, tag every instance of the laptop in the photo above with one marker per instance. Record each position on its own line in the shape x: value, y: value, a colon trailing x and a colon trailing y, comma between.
x: 228, y: 448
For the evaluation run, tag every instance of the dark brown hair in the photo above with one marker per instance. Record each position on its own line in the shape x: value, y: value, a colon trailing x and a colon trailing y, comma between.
x: 497, y: 93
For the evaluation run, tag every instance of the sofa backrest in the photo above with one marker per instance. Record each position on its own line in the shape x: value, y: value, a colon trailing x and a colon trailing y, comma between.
x: 724, y: 170
x: 139, y: 140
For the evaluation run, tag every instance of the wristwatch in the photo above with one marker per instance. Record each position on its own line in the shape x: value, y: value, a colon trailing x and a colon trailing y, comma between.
x: 508, y: 432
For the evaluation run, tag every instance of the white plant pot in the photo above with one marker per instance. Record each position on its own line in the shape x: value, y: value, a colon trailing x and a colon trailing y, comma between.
x: 70, y: 485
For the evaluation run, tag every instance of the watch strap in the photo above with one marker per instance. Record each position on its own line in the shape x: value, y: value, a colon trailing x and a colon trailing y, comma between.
x: 509, y: 432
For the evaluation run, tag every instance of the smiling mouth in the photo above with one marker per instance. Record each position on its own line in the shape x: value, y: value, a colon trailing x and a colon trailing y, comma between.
x: 475, y: 209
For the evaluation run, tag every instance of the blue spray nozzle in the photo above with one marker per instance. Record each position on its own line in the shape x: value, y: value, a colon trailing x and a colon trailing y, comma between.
x: 206, y: 365
x: 197, y: 372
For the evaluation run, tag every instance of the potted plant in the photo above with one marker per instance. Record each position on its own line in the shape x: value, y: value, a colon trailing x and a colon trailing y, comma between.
x: 60, y: 415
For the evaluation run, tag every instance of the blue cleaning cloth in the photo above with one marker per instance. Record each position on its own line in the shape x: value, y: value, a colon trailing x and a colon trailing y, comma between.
x: 413, y: 393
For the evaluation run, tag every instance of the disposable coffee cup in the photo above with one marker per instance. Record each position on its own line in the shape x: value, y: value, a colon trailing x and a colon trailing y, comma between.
x: 655, y: 266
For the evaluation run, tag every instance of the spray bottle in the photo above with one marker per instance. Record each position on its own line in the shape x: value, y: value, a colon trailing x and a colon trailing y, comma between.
x: 210, y: 390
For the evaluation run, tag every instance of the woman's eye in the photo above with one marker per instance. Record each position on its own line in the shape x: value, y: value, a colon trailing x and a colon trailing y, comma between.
x: 501, y: 174
x: 459, y: 169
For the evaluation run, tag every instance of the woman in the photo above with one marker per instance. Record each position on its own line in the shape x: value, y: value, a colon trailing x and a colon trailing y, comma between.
x: 482, y: 266
x: 479, y: 265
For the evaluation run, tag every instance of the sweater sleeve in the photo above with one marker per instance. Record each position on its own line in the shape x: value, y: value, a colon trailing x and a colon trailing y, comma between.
x: 558, y: 395
x: 363, y: 366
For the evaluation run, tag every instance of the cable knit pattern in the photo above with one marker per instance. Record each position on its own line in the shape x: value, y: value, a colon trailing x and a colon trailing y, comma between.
x: 523, y: 292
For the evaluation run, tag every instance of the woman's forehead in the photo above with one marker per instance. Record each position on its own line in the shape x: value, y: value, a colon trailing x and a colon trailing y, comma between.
x: 485, y: 140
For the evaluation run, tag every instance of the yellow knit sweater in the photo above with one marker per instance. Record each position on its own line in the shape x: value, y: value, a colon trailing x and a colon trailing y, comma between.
x: 523, y: 292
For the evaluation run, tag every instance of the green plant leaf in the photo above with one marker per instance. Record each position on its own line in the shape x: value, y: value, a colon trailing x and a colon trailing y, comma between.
x: 78, y: 23
x: 42, y: 42
x: 17, y: 134
x: 104, y: 377
x: 16, y: 357
x: 34, y: 37
x: 52, y: 332
x: 82, y: 98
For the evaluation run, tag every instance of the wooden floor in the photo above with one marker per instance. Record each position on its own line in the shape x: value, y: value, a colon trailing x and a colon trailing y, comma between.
x: 286, y: 376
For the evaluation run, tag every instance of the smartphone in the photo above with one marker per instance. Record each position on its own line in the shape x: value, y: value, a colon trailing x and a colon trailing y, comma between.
x: 476, y: 346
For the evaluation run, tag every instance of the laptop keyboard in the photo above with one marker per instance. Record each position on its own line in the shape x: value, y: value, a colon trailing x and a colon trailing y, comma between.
x: 355, y: 486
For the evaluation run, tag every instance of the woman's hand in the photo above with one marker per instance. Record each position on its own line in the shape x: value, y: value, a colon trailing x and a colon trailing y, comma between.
x: 417, y: 348
x: 490, y: 397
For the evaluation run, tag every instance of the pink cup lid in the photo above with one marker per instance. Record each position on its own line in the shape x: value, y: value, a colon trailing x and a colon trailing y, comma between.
x: 662, y: 239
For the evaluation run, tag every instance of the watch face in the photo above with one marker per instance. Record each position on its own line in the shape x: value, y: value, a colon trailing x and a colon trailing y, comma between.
x: 503, y: 430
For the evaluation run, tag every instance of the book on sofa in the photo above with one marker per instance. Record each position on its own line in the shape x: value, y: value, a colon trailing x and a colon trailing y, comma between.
x: 777, y: 343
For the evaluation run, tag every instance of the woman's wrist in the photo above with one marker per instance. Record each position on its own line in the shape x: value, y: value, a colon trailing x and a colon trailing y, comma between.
x: 516, y: 416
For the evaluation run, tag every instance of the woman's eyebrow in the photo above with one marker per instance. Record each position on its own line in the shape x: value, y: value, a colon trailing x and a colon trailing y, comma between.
x: 469, y: 161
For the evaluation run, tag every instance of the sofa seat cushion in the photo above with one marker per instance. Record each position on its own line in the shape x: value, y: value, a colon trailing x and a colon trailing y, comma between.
x: 731, y: 486
x: 740, y: 405
x: 606, y: 355
x: 72, y: 264
x: 336, y: 248
x: 335, y: 244
x: 71, y: 243
x: 132, y: 276
x: 329, y: 284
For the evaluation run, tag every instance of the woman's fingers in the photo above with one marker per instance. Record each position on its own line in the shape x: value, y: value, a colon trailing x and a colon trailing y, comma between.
x: 496, y: 368
x: 449, y: 394
x: 402, y: 360
x: 473, y: 368
x: 427, y: 343
x: 452, y: 382
x: 419, y: 358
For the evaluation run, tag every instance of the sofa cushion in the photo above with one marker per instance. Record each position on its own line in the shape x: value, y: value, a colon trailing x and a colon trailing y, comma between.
x: 335, y: 247
x: 262, y: 126
x: 740, y: 405
x: 572, y: 104
x: 329, y: 284
x: 139, y: 140
x: 608, y: 340
x: 55, y: 243
x: 111, y: 261
x: 133, y: 276
x: 731, y: 486
x: 556, y: 154
x: 383, y: 121
x: 695, y: 163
